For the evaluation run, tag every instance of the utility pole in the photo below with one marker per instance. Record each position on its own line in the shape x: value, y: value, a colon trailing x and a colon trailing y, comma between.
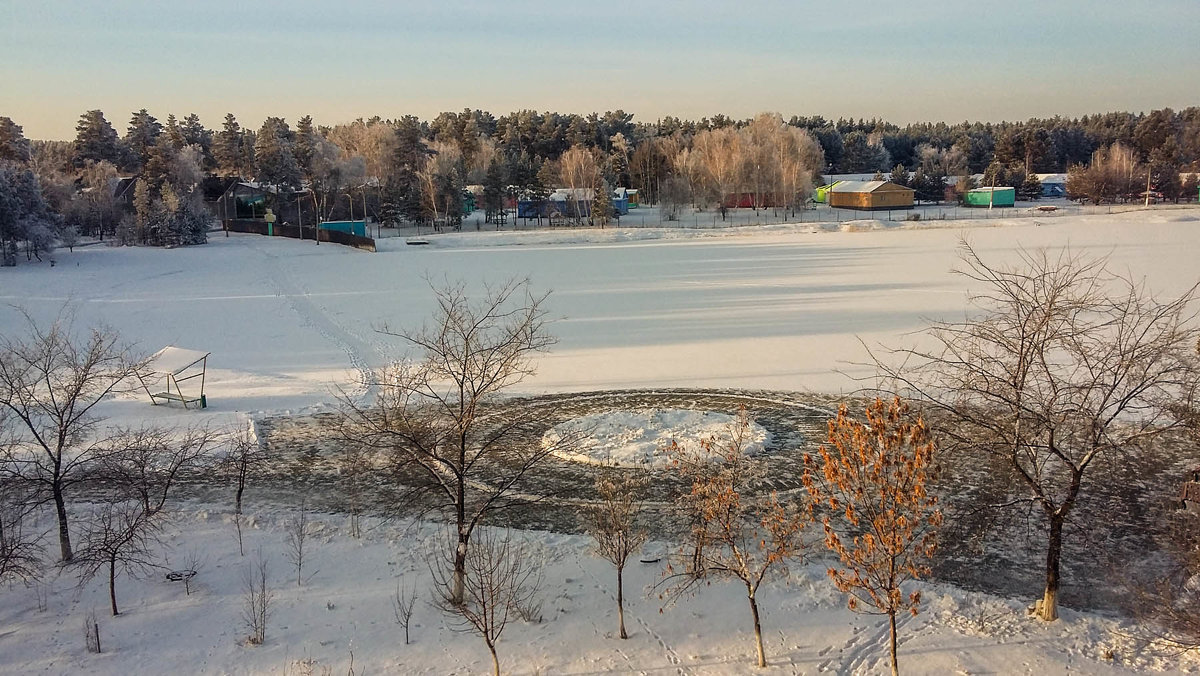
x: 1147, y: 185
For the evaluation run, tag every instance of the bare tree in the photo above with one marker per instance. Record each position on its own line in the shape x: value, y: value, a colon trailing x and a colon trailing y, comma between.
x: 881, y: 521
x: 403, y: 603
x: 145, y: 463
x: 297, y: 529
x: 580, y: 174
x: 244, y: 459
x: 20, y: 549
x: 355, y: 468
x: 257, y: 597
x: 736, y: 533
x: 1062, y: 365
x: 500, y: 580
x: 434, y: 417
x: 612, y: 523
x: 121, y: 537
x: 50, y: 384
x: 722, y: 156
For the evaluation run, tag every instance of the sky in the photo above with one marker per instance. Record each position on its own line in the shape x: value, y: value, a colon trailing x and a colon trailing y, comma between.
x: 907, y: 61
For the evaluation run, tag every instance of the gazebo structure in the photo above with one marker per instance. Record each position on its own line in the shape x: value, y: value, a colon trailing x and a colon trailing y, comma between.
x: 168, y: 369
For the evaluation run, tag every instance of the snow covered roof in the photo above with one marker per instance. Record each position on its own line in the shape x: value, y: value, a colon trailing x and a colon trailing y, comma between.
x: 578, y: 194
x: 999, y: 188
x: 1052, y: 178
x: 175, y: 360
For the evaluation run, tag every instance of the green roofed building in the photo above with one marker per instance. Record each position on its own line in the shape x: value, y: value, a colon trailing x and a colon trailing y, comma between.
x: 996, y: 197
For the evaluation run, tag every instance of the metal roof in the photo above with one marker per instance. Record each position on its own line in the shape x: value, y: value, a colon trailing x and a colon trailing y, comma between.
x: 175, y: 360
x: 863, y: 186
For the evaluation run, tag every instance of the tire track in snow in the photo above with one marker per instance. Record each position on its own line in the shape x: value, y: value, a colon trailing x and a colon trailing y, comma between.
x: 362, y: 354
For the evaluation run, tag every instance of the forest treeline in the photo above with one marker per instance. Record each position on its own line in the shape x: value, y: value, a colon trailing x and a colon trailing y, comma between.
x: 416, y: 170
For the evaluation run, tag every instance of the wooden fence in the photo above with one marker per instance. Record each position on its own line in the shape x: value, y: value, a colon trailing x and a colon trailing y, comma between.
x: 259, y: 227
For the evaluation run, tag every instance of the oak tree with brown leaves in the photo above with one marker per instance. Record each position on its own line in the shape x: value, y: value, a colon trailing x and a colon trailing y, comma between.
x: 881, y: 522
x: 737, y: 531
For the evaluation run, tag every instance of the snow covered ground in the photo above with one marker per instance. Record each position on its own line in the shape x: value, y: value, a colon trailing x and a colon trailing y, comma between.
x: 641, y: 438
x: 783, y: 307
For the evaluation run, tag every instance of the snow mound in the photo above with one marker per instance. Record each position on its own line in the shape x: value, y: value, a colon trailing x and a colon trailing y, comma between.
x: 639, y: 438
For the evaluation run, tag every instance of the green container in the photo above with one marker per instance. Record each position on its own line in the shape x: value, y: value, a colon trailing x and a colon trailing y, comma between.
x: 982, y: 197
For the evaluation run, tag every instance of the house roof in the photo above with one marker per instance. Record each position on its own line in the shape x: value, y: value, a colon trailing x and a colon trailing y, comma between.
x: 866, y: 186
x: 999, y: 188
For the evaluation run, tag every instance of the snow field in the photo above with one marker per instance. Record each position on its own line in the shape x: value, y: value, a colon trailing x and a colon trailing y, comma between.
x: 786, y: 307
x: 345, y: 607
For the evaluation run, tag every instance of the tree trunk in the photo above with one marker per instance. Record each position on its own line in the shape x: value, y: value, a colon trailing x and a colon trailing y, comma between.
x: 892, y: 627
x: 762, y: 655
x: 64, y: 534
x: 460, y: 568
x: 112, y: 585
x: 495, y: 660
x: 621, y: 602
x: 1048, y: 608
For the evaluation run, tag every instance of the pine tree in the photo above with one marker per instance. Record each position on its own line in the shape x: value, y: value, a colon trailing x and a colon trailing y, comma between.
x: 899, y: 175
x: 13, y: 144
x: 409, y: 158
x: 227, y: 147
x: 174, y: 132
x: 141, y: 136
x: 305, y: 147
x: 274, y: 155
x: 24, y: 216
x: 96, y: 140
x: 1191, y: 187
x: 1031, y: 189
x: 602, y: 205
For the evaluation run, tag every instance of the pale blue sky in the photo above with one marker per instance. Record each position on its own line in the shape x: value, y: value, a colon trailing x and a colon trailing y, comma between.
x: 904, y: 61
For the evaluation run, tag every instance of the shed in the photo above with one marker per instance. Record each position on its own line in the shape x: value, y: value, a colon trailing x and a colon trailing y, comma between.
x: 999, y: 196
x: 171, y: 366
x: 1053, y: 185
x: 870, y: 195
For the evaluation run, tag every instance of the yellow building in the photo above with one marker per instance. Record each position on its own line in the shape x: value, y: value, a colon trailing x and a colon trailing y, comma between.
x: 870, y: 195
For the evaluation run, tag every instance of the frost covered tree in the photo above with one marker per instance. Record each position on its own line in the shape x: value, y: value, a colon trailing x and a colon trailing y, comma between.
x: 228, y: 148
x: 437, y: 418
x: 51, y: 381
x: 881, y: 522
x: 141, y: 136
x: 26, y: 221
x: 613, y: 524
x: 737, y: 532
x: 96, y: 140
x: 14, y: 147
x: 274, y: 155
x: 1061, y: 366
